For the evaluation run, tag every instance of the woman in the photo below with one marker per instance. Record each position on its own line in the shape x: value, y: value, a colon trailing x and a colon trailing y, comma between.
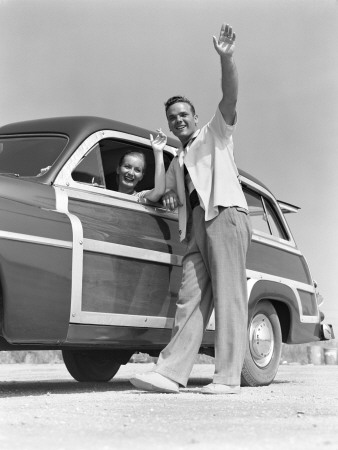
x: 131, y: 169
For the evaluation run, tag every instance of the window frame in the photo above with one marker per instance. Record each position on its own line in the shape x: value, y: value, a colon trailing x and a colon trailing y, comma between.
x: 64, y: 178
x: 277, y: 222
x: 266, y: 196
x: 95, y: 150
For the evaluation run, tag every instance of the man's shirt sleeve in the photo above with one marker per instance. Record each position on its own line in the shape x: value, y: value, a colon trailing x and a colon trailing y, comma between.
x: 219, y: 127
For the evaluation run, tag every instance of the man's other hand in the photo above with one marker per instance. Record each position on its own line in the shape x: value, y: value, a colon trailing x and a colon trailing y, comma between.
x: 170, y: 200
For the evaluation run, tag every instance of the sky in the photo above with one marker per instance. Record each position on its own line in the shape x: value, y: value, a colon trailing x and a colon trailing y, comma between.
x: 123, y: 58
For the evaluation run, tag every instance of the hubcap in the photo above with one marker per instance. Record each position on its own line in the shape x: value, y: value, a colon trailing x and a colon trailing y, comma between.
x: 261, y: 340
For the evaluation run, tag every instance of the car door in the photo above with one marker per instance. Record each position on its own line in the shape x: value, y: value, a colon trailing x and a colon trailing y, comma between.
x: 127, y: 257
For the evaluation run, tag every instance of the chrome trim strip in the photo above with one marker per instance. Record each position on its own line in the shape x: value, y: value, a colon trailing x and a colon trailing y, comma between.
x: 127, y: 251
x: 116, y: 199
x: 9, y: 235
x: 124, y: 320
x: 77, y: 253
x: 292, y: 284
x: 128, y: 320
x: 287, y: 207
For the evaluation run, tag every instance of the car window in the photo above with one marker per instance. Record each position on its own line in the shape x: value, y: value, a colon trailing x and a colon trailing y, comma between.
x: 276, y: 227
x: 113, y: 150
x: 30, y: 156
x: 263, y: 216
x: 257, y: 212
x: 98, y: 167
x: 90, y: 170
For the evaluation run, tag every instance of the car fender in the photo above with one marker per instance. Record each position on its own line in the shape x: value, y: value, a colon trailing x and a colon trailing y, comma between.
x: 35, y: 267
x: 296, y: 318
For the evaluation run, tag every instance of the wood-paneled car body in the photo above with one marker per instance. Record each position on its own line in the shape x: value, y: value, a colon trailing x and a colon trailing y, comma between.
x: 96, y: 273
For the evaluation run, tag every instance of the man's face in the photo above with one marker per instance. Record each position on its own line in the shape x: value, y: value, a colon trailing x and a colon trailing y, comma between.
x: 181, y: 120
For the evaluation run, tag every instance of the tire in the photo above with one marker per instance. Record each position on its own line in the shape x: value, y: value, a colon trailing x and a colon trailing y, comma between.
x: 94, y: 365
x: 264, y: 346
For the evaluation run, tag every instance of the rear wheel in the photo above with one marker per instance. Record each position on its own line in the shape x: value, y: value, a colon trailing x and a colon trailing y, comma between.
x: 264, y: 346
x: 94, y: 365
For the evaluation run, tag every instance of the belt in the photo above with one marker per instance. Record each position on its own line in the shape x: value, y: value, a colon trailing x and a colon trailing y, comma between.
x: 194, y: 200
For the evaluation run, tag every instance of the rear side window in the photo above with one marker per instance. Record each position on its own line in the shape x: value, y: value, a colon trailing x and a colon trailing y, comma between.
x: 258, y: 215
x: 275, y: 225
x: 30, y: 156
x: 264, y: 217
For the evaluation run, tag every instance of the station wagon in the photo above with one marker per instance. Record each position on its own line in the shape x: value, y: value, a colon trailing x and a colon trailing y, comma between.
x: 95, y: 272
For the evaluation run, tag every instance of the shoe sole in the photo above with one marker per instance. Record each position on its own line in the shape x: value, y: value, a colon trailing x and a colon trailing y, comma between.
x: 146, y: 386
x: 220, y: 393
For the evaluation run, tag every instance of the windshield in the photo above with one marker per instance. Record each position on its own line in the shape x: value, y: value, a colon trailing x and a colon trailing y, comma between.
x: 30, y: 156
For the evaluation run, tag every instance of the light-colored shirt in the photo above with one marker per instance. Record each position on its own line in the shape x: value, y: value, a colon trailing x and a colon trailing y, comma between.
x: 140, y: 194
x: 209, y: 159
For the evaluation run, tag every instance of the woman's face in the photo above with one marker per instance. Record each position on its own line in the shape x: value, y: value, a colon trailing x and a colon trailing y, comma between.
x: 130, y: 172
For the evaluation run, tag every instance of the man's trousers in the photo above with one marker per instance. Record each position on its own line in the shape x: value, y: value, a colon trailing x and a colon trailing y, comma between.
x: 214, y: 276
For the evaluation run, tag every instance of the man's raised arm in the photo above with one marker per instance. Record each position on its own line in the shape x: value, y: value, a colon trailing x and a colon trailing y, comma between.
x: 225, y: 46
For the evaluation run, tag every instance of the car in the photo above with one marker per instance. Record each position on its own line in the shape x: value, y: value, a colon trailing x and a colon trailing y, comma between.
x: 96, y: 273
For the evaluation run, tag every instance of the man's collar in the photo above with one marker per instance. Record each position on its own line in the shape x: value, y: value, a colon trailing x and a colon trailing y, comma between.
x: 192, y: 138
x: 188, y: 144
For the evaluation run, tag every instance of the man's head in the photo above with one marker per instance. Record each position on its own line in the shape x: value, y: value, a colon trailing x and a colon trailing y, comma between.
x: 181, y: 116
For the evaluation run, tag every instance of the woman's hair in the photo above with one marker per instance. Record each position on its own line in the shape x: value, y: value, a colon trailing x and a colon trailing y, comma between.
x: 134, y: 153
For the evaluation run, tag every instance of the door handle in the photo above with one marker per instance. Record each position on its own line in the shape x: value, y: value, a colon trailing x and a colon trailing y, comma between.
x: 162, y: 210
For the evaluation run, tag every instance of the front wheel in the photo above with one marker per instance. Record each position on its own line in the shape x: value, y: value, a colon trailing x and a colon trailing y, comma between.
x: 264, y: 346
x: 94, y: 365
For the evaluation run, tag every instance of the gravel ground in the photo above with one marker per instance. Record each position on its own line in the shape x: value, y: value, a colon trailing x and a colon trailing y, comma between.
x: 42, y: 407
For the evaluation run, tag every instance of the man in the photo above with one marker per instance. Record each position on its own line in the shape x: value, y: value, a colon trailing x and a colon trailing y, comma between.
x: 202, y: 181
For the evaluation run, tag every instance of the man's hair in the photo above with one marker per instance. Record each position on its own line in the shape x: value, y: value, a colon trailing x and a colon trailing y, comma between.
x: 178, y: 99
x: 134, y: 153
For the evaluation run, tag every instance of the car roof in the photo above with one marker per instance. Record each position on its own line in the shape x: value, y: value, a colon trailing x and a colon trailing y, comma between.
x: 77, y: 129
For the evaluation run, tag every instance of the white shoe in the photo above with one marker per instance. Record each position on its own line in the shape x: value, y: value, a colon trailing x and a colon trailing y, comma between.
x: 155, y: 382
x: 217, y: 388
